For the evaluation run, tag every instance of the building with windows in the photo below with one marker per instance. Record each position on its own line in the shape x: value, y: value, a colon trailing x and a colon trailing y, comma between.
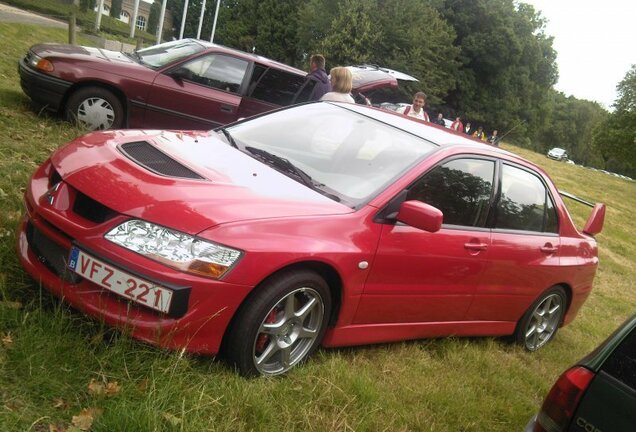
x: 143, y: 13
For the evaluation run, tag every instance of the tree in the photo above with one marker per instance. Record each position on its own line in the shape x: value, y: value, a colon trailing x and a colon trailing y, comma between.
x: 153, y: 17
x: 507, y: 64
x: 115, y: 8
x: 615, y: 138
x: 86, y: 5
x: 406, y: 35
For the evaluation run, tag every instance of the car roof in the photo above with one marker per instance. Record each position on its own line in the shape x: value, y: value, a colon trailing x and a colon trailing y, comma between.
x: 251, y: 56
x: 431, y: 132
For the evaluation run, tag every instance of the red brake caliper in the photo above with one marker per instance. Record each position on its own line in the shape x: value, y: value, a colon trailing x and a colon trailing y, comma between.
x: 263, y: 338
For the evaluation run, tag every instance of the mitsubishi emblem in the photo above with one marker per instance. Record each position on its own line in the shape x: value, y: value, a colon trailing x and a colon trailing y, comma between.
x: 50, y: 194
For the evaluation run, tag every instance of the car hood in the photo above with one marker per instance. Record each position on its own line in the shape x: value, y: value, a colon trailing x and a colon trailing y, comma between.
x: 189, y: 181
x: 80, y: 52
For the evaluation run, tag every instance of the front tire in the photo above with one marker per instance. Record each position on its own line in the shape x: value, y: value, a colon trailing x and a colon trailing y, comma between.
x: 542, y: 319
x: 95, y: 108
x: 281, y: 325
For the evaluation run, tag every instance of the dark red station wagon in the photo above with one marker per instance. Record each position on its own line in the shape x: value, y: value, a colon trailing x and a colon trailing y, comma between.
x: 323, y: 223
x: 184, y: 84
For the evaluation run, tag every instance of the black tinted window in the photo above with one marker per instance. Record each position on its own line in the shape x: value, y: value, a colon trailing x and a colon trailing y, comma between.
x: 622, y: 363
x: 522, y: 205
x: 278, y: 87
x: 461, y: 189
x: 306, y: 92
x: 217, y: 71
x: 551, y: 219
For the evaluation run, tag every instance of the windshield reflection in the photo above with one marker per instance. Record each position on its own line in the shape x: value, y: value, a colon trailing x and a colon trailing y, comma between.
x: 353, y: 156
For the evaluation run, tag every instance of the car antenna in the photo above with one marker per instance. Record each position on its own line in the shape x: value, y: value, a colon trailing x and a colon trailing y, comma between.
x: 513, y: 128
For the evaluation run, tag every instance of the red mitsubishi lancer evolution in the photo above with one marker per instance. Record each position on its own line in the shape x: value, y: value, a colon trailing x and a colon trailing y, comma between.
x: 320, y: 224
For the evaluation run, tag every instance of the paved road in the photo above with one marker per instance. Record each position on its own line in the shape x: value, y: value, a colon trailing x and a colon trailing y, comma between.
x: 11, y: 14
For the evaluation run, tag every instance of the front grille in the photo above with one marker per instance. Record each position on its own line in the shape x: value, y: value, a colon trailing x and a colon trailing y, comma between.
x: 51, y: 254
x: 90, y: 209
x: 156, y: 161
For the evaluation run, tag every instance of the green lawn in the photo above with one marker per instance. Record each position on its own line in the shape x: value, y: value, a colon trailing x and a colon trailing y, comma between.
x: 58, y: 367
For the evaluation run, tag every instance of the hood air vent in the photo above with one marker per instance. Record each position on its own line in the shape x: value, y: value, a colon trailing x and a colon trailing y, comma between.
x: 156, y: 161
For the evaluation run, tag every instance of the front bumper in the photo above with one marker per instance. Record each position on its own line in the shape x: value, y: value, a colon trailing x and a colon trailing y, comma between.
x: 203, y: 307
x: 43, y: 89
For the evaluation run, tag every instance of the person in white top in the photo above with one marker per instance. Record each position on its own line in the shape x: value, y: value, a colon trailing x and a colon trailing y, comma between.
x: 341, y: 85
x: 417, y: 108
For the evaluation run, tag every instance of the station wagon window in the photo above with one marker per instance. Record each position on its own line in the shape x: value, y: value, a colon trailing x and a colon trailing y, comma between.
x: 278, y: 87
x: 524, y: 203
x: 217, y: 71
x: 461, y: 189
x: 622, y: 363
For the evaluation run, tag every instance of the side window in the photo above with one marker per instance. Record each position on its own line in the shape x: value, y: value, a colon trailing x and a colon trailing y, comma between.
x: 461, y: 189
x: 622, y: 363
x: 551, y: 218
x: 278, y: 87
x: 524, y: 203
x: 217, y: 71
x: 306, y: 92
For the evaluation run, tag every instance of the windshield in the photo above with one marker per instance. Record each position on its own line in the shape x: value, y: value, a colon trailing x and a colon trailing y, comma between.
x: 160, y: 55
x: 348, y: 155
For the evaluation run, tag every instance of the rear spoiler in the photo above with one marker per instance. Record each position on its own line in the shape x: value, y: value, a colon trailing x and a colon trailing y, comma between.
x: 594, y: 224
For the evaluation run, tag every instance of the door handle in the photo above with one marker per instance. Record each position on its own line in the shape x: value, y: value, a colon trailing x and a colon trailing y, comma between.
x: 549, y: 249
x: 475, y: 246
x: 226, y: 108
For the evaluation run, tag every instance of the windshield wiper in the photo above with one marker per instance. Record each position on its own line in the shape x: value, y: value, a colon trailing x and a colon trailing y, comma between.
x: 134, y: 56
x: 229, y: 138
x: 286, y: 167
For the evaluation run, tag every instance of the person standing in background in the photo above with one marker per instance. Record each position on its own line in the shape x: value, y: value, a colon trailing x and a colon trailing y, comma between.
x: 341, y: 83
x: 317, y: 73
x: 457, y: 125
x: 494, y: 139
x: 416, y: 109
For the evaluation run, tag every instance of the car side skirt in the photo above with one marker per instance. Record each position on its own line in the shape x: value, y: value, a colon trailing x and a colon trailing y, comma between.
x: 381, y: 333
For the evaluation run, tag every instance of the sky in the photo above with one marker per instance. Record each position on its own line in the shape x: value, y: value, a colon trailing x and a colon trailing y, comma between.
x: 595, y: 43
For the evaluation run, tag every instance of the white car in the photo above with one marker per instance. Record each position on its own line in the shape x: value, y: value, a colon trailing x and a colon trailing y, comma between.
x: 558, y: 154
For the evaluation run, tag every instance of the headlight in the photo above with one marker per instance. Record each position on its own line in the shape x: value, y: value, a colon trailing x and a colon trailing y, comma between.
x: 40, y: 63
x: 174, y: 248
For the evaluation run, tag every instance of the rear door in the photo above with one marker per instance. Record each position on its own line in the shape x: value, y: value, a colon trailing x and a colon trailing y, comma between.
x: 201, y: 93
x: 525, y: 253
x: 270, y: 88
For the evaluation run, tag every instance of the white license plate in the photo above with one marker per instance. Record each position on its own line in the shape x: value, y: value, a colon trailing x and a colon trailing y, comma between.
x: 119, y: 282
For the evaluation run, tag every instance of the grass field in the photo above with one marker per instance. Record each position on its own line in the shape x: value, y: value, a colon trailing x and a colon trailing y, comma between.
x: 62, y: 371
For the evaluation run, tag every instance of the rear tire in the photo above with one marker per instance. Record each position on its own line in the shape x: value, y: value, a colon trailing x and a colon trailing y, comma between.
x: 95, y: 108
x: 542, y: 319
x: 281, y: 325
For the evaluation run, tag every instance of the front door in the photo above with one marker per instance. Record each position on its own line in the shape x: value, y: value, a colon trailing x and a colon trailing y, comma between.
x: 199, y: 94
x: 419, y: 276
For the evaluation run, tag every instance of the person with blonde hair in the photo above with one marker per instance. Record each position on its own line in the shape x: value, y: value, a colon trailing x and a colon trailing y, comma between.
x: 341, y: 85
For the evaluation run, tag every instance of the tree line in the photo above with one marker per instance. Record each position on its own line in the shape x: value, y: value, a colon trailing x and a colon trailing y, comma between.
x: 488, y: 61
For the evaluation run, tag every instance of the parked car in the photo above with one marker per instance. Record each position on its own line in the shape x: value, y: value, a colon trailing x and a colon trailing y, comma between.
x: 184, y: 84
x: 598, y: 393
x: 558, y: 154
x: 322, y: 223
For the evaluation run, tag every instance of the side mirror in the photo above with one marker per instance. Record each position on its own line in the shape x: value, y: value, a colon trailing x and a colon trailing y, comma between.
x: 180, y: 73
x: 420, y: 215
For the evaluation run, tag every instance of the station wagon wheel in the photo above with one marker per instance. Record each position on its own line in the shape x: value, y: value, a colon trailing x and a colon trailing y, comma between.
x: 281, y: 325
x: 95, y: 108
x: 542, y: 320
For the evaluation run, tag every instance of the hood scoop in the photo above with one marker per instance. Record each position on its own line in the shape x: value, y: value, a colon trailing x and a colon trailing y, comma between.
x: 153, y: 159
